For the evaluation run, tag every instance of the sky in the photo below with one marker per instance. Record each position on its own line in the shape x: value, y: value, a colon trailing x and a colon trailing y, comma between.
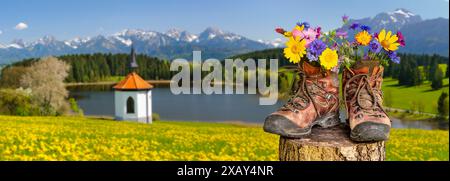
x: 255, y: 19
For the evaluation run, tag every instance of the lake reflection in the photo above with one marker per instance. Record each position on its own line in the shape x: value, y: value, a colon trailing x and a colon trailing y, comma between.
x: 98, y: 100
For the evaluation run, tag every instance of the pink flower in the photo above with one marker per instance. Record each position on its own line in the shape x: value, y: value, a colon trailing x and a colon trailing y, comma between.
x: 309, y: 36
x: 296, y: 33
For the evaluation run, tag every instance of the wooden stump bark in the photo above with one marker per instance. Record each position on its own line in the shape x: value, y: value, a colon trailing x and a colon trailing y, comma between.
x: 330, y: 144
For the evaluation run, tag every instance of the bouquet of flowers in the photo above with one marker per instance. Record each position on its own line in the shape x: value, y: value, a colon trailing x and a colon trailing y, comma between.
x: 333, y: 48
x: 307, y: 43
x: 365, y: 45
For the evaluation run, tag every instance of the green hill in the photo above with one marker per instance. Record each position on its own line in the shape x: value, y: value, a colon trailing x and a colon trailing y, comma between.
x: 410, y: 98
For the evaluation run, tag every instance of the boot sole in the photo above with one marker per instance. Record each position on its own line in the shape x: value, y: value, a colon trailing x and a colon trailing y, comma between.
x: 370, y: 132
x: 291, y: 130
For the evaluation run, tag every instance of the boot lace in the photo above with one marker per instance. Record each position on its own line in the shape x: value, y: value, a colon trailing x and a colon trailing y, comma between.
x: 365, y: 98
x: 303, y: 94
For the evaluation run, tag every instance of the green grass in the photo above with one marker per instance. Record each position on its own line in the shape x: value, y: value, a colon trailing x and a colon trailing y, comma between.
x: 410, y: 117
x: 77, y: 138
x: 404, y: 97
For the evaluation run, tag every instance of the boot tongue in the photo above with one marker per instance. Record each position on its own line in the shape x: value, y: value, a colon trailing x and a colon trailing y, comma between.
x: 366, y: 67
x: 310, y: 69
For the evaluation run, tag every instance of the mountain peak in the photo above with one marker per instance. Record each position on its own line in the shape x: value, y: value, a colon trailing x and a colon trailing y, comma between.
x: 212, y: 33
x: 17, y: 43
x: 393, y: 20
x: 403, y: 12
x: 47, y: 39
x: 213, y: 30
x: 174, y: 31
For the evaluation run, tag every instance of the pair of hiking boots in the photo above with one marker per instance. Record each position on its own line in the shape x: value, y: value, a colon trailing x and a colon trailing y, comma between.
x: 316, y: 102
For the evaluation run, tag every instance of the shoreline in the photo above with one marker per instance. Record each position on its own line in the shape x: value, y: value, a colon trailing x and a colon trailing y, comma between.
x: 232, y: 122
x: 114, y: 82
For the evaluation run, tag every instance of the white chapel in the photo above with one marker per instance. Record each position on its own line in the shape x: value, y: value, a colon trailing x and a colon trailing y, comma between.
x: 133, y: 96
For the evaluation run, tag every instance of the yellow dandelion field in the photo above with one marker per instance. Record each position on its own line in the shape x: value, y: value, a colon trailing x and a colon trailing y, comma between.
x: 75, y: 138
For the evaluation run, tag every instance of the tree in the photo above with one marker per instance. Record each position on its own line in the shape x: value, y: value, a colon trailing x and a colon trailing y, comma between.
x: 443, y: 105
x: 432, y: 68
x: 408, y: 73
x: 446, y: 72
x: 10, y: 76
x: 418, y: 79
x: 46, y: 78
x: 437, y: 83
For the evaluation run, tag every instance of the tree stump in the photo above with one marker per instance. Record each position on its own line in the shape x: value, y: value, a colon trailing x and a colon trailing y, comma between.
x: 330, y: 144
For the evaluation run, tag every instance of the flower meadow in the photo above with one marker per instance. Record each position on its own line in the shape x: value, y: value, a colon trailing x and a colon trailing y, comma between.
x: 77, y: 138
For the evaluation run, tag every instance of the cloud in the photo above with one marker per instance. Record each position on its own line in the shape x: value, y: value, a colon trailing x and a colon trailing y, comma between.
x: 1, y: 32
x: 21, y: 26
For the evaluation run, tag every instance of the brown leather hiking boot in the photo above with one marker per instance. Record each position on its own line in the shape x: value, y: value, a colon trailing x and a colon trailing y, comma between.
x: 363, y: 100
x: 315, y: 102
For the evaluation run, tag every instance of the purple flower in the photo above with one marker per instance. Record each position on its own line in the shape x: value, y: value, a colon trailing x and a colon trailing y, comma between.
x: 318, y: 29
x: 366, y: 57
x: 374, y: 47
x: 335, y: 46
x: 401, y: 39
x: 354, y: 26
x: 393, y: 56
x: 345, y: 18
x: 341, y: 33
x: 305, y: 24
x: 365, y: 27
x: 317, y: 47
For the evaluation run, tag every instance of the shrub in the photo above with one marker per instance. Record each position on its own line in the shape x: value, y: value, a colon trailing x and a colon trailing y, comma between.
x: 74, y: 107
x: 17, y: 102
x: 155, y: 117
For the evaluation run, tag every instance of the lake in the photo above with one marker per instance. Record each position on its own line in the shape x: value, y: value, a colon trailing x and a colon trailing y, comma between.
x: 98, y: 100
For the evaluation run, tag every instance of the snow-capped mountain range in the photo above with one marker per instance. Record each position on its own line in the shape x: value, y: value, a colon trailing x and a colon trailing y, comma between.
x: 390, y: 20
x: 422, y: 36
x: 213, y: 42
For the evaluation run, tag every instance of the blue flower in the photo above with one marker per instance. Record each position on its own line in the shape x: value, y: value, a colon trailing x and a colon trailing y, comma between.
x: 365, y: 28
x: 354, y: 26
x: 317, y: 47
x: 375, y: 47
x: 393, y: 56
x: 305, y: 24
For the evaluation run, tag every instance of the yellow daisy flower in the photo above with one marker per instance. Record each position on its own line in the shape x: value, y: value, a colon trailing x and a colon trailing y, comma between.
x: 299, y: 28
x: 387, y: 40
x: 363, y: 38
x: 287, y: 34
x: 295, y: 50
x: 328, y: 58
